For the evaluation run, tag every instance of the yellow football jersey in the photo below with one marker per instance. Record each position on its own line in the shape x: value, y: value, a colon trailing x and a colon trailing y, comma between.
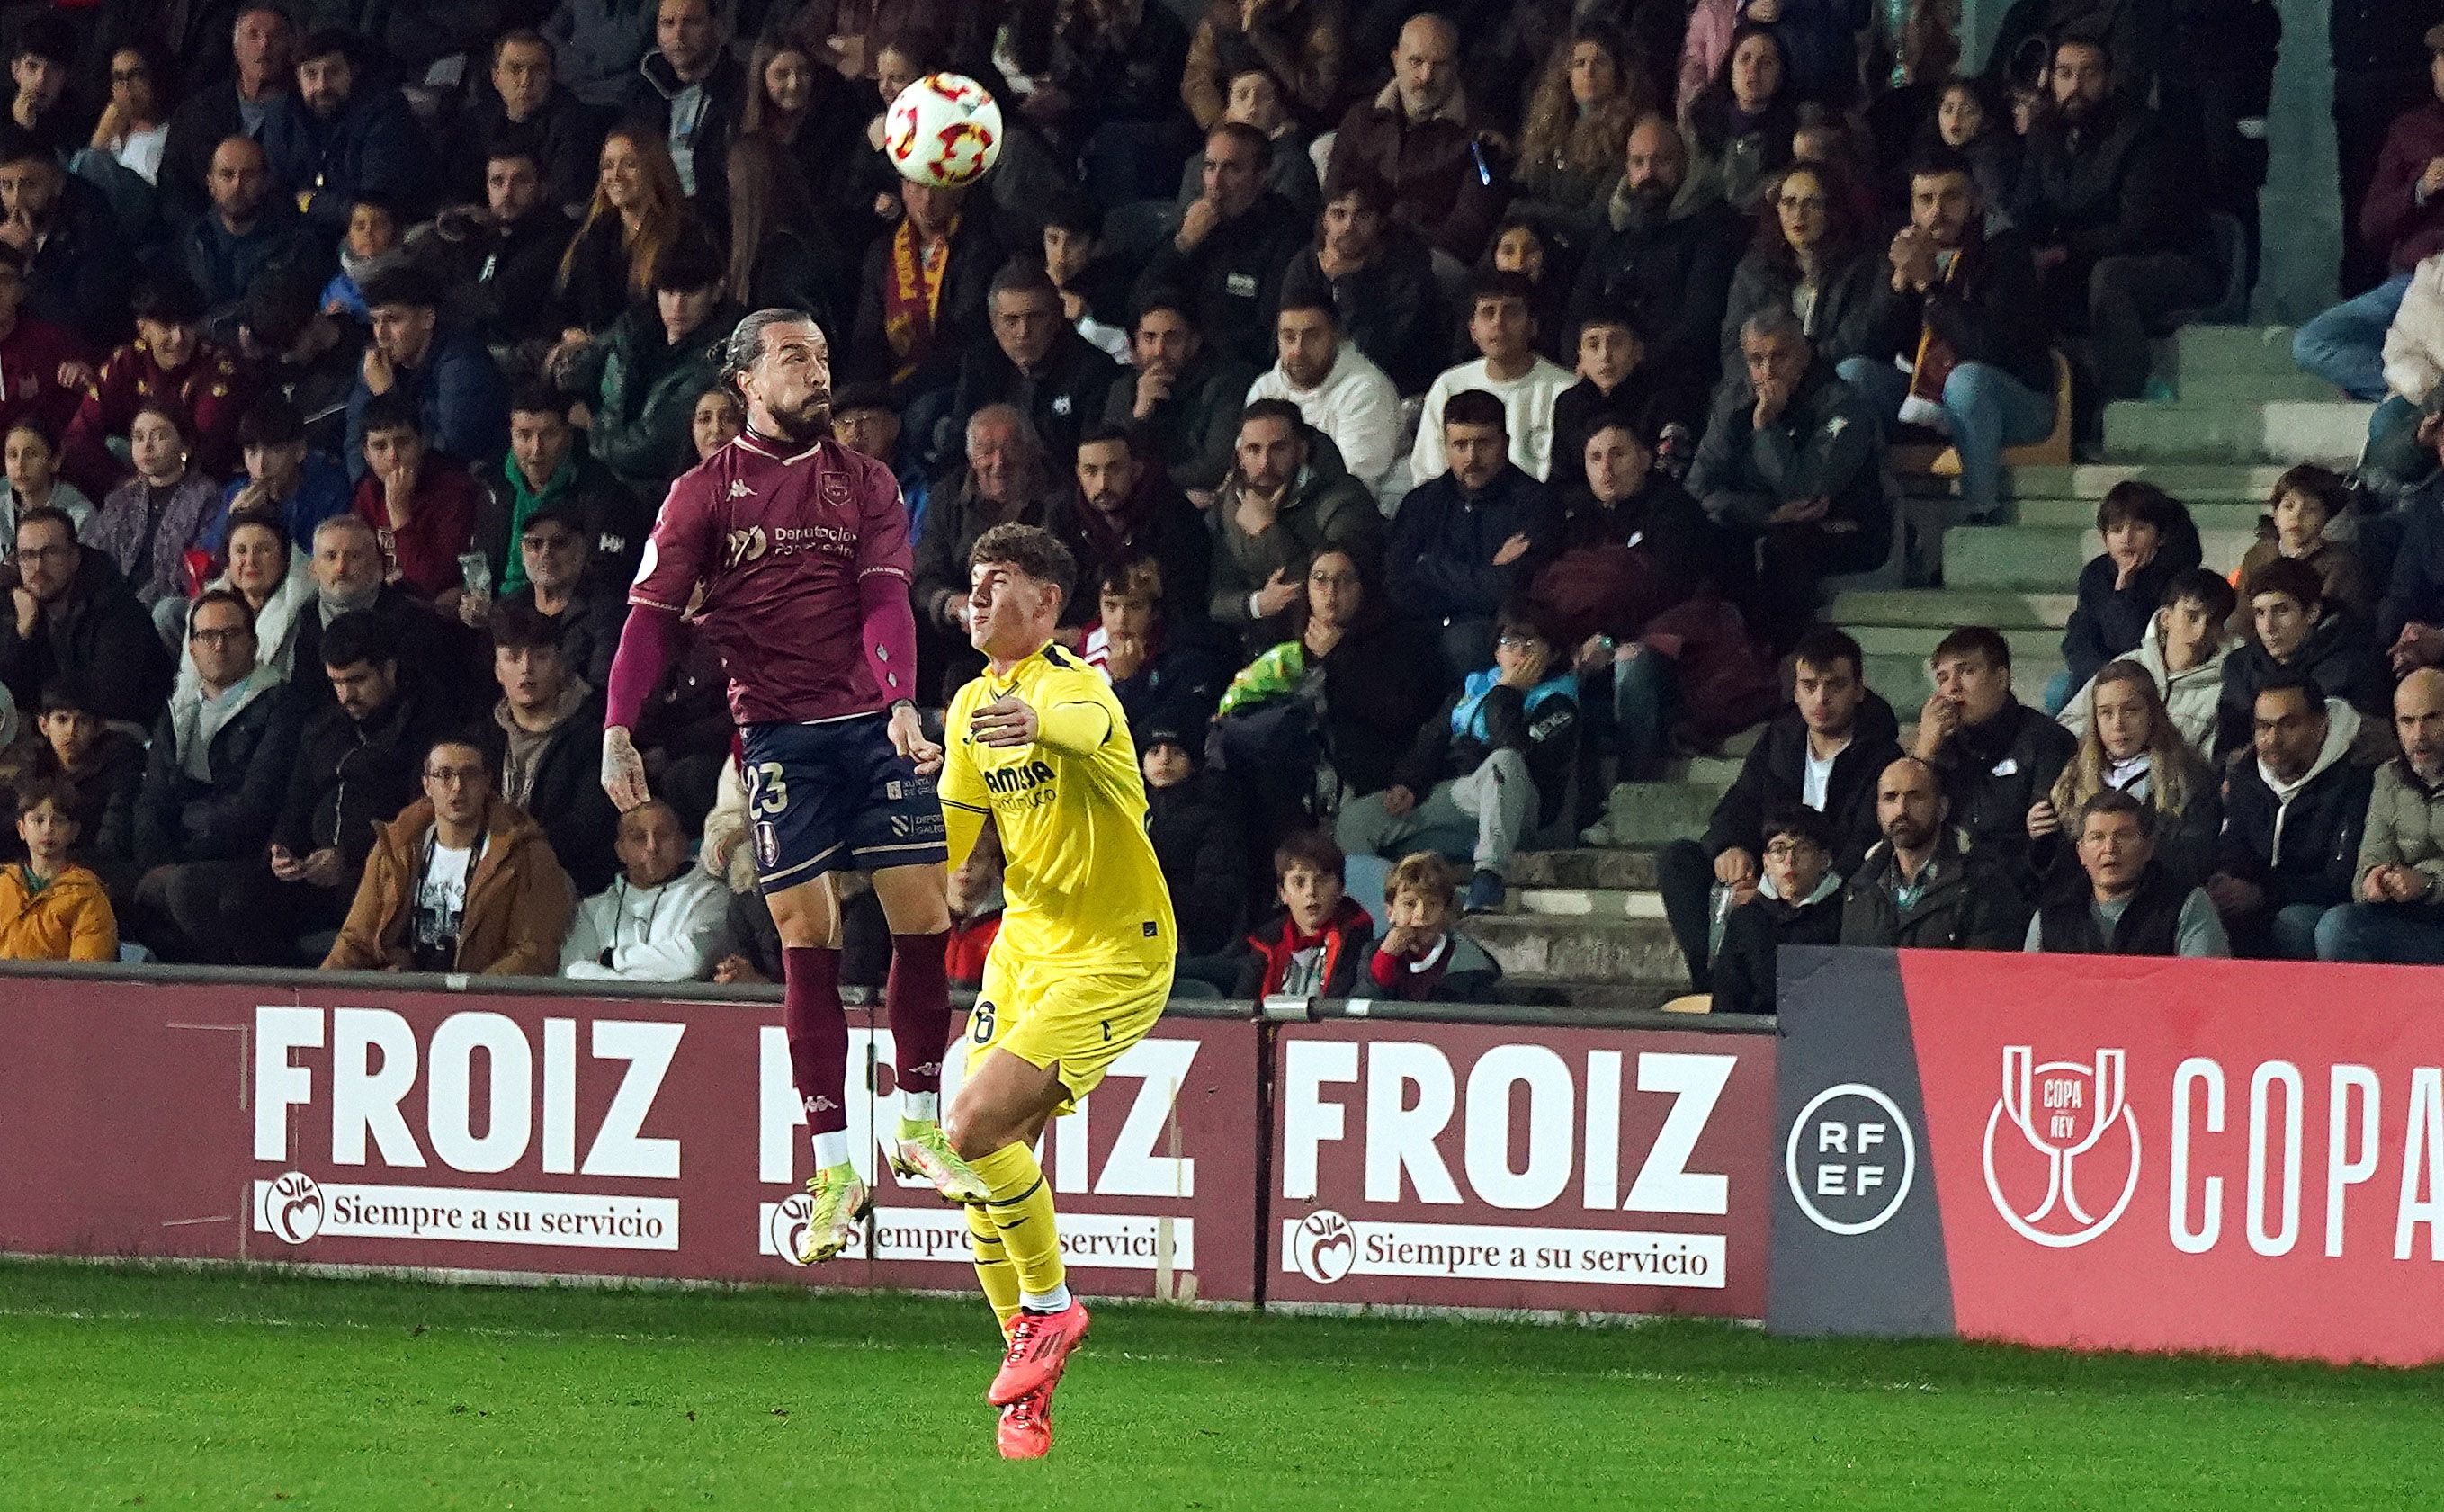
x: 1082, y: 886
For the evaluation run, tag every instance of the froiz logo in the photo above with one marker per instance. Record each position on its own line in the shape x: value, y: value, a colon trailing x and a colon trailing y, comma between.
x: 1323, y: 1248
x: 747, y: 546
x: 789, y: 1232
x: 292, y: 1208
x: 2071, y: 1118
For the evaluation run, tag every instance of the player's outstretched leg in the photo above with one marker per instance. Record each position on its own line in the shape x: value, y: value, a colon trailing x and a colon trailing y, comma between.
x: 818, y: 1034
x: 917, y: 998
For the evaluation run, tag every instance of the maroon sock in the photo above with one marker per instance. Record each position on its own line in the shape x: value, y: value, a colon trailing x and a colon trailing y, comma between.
x: 818, y: 1030
x: 917, y: 998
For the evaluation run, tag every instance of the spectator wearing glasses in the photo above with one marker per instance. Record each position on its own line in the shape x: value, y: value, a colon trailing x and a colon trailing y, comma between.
x: 1798, y: 902
x: 75, y: 618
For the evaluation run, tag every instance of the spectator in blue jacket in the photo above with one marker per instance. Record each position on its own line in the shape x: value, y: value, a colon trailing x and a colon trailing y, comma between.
x: 341, y: 135
x: 461, y: 395
x: 1468, y: 542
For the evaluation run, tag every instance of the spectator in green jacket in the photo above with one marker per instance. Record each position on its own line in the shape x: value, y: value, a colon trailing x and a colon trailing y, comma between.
x: 637, y: 388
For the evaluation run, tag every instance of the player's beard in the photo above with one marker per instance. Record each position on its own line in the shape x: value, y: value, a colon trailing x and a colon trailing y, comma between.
x: 810, y: 422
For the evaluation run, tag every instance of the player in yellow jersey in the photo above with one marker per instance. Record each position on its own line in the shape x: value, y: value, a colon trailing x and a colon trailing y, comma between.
x: 1038, y: 748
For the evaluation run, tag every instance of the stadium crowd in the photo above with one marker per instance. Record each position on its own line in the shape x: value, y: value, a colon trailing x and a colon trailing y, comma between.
x: 1453, y: 410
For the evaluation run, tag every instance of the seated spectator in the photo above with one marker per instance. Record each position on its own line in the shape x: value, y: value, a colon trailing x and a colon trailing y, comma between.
x: 1200, y: 842
x: 528, y: 106
x: 1634, y: 545
x: 1811, y: 258
x: 1381, y: 277
x: 1798, y: 902
x: 343, y: 134
x: 31, y: 453
x: 559, y: 582
x: 1035, y: 361
x: 2292, y: 821
x: 1472, y: 539
x: 1744, y: 120
x: 147, y: 525
x: 1316, y: 945
x: 1279, y: 507
x: 1664, y: 258
x: 2393, y: 913
x: 2125, y: 904
x: 1504, y: 331
x: 1006, y: 480
x: 2403, y: 219
x: 2110, y: 215
x: 170, y: 364
x: 46, y: 365
x: 78, y: 266
x: 1928, y: 884
x: 546, y: 740
x: 1491, y: 772
x: 1792, y: 460
x: 813, y: 119
x: 1301, y: 42
x: 1419, y: 138
x: 76, y: 620
x: 500, y: 256
x: 1972, y: 120
x: 1338, y: 390
x: 249, y: 231
x: 658, y: 920
x: 1423, y: 957
x: 544, y: 469
x: 637, y: 388
x: 1165, y: 668
x: 461, y: 882
x: 233, y: 97
x: 283, y: 476
x: 949, y: 257
x: 2401, y: 453
x: 1994, y: 755
x: 865, y: 422
x: 350, y: 575
x: 637, y: 211
x: 2131, y: 746
x: 1181, y: 394
x: 692, y: 87
x: 1256, y: 101
x: 720, y: 418
x: 2296, y: 633
x: 1592, y: 89
x: 1093, y: 292
x: 370, y: 246
x: 51, y: 908
x: 1956, y: 336
x: 295, y: 351
x: 1124, y: 506
x: 101, y: 766
x: 976, y: 902
x: 2183, y: 652
x: 2306, y: 500
x: 1617, y: 385
x: 213, y: 781
x: 2149, y: 541
x: 276, y: 581
x: 2410, y: 617
x: 1824, y: 751
x: 453, y: 388
x: 1231, y: 248
x: 356, y: 764
x: 124, y: 154
x: 596, y: 46
x: 420, y: 504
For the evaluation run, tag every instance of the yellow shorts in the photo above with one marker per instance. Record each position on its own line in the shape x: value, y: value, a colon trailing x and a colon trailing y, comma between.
x: 1080, y: 1020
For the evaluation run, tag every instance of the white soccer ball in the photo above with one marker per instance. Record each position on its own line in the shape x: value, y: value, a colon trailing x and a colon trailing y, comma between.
x: 943, y: 130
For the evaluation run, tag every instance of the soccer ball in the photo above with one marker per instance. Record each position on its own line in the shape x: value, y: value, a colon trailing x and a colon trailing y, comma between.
x: 944, y: 130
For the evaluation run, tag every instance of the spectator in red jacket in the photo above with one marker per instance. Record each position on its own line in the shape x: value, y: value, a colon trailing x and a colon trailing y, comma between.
x: 169, y: 362
x: 422, y: 505
x: 976, y: 899
x: 1423, y: 957
x: 1313, y: 946
x: 1419, y: 139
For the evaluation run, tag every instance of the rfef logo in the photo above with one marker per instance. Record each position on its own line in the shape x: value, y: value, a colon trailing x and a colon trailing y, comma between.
x: 2066, y: 1167
x: 1850, y: 1159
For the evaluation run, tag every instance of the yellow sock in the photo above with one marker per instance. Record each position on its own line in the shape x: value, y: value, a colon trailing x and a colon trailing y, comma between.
x: 992, y: 1266
x: 1021, y: 1206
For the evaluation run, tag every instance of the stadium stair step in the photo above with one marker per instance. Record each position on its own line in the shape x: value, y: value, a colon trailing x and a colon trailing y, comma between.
x: 1533, y: 947
x: 2036, y: 557
x: 2232, y: 350
x: 2328, y: 431
x: 1940, y: 608
x: 2227, y: 516
x: 1606, y: 868
x: 2227, y: 481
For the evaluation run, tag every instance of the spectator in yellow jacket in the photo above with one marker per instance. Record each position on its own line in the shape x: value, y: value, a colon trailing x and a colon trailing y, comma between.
x: 51, y: 910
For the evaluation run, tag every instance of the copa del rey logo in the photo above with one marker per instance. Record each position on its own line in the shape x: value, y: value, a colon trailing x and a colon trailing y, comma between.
x: 2062, y: 1147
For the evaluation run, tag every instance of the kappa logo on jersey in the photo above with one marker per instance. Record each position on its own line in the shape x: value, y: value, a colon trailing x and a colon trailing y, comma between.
x: 1018, y: 778
x: 739, y: 490
x: 2072, y: 1118
x: 747, y: 546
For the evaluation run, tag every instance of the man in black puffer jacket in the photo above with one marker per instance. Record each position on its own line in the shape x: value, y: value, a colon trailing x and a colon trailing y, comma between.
x: 1927, y: 885
x: 1667, y: 259
x: 1201, y: 844
x: 1800, y: 903
x: 2292, y: 819
x: 1994, y: 754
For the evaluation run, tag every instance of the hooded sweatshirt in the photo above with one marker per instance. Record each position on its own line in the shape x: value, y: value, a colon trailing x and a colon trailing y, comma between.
x: 2188, y: 696
x: 2298, y: 840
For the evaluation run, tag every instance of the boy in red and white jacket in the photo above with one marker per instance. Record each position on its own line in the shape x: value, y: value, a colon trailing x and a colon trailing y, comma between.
x: 1424, y: 958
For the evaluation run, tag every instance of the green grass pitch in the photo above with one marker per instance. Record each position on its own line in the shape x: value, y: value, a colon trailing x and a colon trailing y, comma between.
x: 177, y: 1389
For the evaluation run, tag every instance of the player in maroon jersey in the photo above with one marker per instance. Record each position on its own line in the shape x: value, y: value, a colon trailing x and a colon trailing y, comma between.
x: 799, y: 548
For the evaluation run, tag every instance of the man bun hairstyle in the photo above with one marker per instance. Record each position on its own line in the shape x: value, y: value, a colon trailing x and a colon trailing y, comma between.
x: 746, y: 344
x: 1032, y: 550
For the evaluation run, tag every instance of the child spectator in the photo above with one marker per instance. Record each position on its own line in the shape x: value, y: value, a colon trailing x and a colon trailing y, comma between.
x: 2184, y: 650
x: 2296, y: 633
x: 370, y: 247
x: 1198, y: 842
x: 976, y: 903
x: 97, y: 767
x: 51, y: 908
x: 1423, y: 957
x: 1312, y: 947
x: 1502, y: 325
x: 148, y: 522
x: 2149, y: 540
x: 284, y: 475
x: 1616, y: 383
x: 1090, y: 285
x: 1798, y: 902
x: 33, y: 454
x: 421, y: 505
x: 2306, y: 499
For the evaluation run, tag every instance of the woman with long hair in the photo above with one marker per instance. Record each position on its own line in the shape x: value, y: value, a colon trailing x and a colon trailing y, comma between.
x: 637, y: 211
x: 2132, y: 747
x: 1578, y: 123
x: 801, y: 105
x: 780, y: 253
x: 1744, y: 120
x: 1810, y: 257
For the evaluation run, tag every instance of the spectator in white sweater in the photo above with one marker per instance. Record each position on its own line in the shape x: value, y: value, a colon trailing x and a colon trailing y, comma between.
x: 1338, y: 390
x: 657, y: 921
x: 1501, y: 323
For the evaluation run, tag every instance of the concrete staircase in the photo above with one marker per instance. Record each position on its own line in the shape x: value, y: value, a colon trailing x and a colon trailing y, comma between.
x: 1586, y: 925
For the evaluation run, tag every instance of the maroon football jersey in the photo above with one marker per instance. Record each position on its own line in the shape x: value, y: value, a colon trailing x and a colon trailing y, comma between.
x: 780, y: 543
